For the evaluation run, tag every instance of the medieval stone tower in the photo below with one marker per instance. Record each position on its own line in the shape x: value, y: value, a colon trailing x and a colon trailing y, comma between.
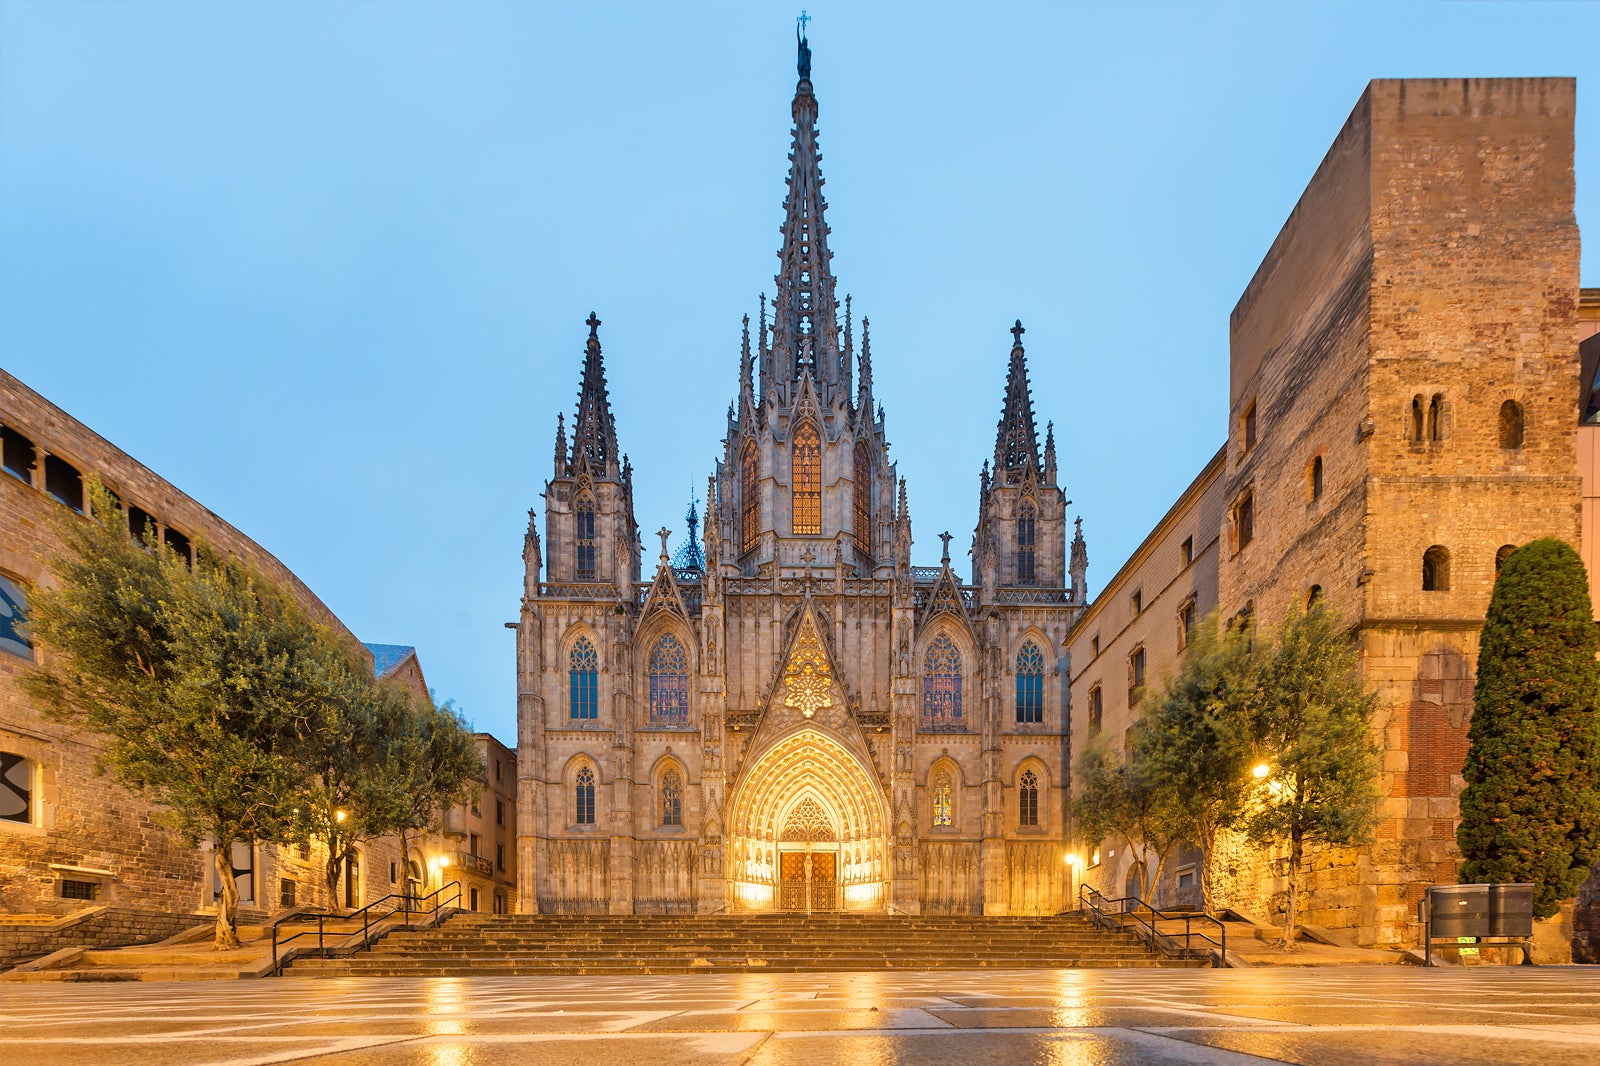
x: 804, y: 720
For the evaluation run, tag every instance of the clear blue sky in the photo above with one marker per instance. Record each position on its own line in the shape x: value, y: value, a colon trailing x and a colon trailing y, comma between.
x: 325, y: 267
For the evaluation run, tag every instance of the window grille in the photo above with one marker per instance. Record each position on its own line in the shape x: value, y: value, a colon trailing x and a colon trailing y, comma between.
x: 671, y: 798
x: 807, y: 481
x: 1028, y: 799
x: 583, y: 797
x: 1026, y: 522
x: 585, y: 539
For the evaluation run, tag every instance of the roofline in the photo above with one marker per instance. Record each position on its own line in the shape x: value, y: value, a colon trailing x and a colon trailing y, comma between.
x: 1207, y: 474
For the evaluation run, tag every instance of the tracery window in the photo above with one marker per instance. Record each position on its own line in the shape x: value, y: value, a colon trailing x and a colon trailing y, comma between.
x: 749, y: 499
x: 583, y: 673
x: 943, y: 813
x: 807, y: 481
x: 671, y: 798
x: 1026, y: 516
x: 585, y: 538
x: 863, y: 499
x: 669, y: 683
x: 1030, y: 683
x: 583, y: 797
x: 1028, y: 799
x: 941, y: 685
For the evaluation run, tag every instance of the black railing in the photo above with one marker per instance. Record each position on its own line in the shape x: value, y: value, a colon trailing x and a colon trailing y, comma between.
x: 399, y: 903
x: 1133, y: 913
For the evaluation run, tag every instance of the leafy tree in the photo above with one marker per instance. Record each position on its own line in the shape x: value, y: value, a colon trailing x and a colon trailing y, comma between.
x: 430, y: 764
x: 1123, y: 798
x: 188, y: 674
x: 1311, y: 728
x: 1530, y: 811
x: 1196, y: 739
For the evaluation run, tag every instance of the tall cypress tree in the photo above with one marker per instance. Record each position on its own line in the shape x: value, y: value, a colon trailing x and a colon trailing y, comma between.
x: 1531, y: 807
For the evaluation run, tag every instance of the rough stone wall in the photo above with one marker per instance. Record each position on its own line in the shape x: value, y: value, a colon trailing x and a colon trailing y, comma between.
x: 1433, y: 254
x: 108, y: 927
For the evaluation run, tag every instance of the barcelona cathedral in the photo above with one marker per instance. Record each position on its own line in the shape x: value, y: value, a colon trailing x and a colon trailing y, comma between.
x: 795, y: 717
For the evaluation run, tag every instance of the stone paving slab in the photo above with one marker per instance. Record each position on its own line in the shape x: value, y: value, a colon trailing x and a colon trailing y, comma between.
x: 1315, y: 1017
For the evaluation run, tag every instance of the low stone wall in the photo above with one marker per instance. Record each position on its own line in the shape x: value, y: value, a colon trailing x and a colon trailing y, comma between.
x: 99, y: 927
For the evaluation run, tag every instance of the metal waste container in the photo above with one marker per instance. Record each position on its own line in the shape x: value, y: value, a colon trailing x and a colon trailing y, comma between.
x: 1467, y: 913
x: 1459, y: 910
x: 1510, y: 910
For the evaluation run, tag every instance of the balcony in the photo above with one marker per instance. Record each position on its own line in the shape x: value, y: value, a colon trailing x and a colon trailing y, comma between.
x: 474, y: 863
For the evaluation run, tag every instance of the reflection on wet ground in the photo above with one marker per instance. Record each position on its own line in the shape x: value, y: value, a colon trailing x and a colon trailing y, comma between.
x: 1318, y: 1017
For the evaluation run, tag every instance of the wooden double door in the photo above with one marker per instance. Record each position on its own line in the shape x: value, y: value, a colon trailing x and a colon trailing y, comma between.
x: 808, y: 880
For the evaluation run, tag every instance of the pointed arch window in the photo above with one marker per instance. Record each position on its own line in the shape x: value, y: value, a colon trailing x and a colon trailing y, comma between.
x: 862, y: 493
x: 671, y: 798
x: 583, y: 797
x: 943, y: 811
x: 1027, y: 516
x: 807, y: 481
x: 669, y: 683
x: 583, y: 676
x: 941, y: 686
x: 1030, y: 684
x: 584, y: 538
x: 1028, y: 799
x: 749, y: 498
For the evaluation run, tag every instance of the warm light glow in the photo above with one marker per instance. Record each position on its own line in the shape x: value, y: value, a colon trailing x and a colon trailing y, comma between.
x: 339, y: 816
x: 1261, y: 770
x: 444, y: 860
x: 1071, y: 858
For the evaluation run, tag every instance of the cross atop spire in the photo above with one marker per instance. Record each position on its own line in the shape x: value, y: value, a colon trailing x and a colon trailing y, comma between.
x: 594, y: 431
x: 1016, y: 445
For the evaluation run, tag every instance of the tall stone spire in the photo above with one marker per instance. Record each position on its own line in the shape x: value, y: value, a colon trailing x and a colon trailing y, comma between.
x: 805, y: 327
x: 746, y: 382
x: 594, y: 432
x: 864, y: 398
x: 1016, y: 445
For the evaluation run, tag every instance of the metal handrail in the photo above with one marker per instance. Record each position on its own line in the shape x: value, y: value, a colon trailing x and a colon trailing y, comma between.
x: 407, y: 905
x: 1098, y: 907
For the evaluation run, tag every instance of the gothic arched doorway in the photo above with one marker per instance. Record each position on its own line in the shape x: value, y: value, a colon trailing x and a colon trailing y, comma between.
x: 808, y: 829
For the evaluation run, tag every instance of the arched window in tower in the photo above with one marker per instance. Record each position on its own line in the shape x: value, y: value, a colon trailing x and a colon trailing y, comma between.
x: 1436, y: 569
x: 583, y: 797
x: 1026, y: 517
x: 1436, y: 417
x: 1511, y: 424
x: 943, y: 812
x: 583, y: 674
x: 1030, y: 684
x: 1500, y: 558
x: 584, y: 538
x: 1028, y: 799
x: 671, y: 798
x: 941, y: 686
x: 1418, y: 433
x: 862, y: 493
x: 749, y: 498
x: 807, y: 481
x: 669, y: 683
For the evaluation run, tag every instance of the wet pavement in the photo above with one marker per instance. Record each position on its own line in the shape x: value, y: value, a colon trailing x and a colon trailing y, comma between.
x: 1319, y: 1017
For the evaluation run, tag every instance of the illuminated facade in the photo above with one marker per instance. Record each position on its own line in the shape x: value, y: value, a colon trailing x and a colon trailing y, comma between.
x: 795, y: 718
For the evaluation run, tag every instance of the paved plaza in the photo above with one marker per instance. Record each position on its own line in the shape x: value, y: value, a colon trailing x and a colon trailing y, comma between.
x: 1089, y: 1017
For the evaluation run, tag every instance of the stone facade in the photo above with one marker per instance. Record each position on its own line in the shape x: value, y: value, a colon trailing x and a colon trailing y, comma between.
x: 796, y: 718
x: 1402, y: 378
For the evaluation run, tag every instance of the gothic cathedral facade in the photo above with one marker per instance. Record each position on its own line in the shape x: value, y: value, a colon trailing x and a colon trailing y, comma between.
x: 796, y: 718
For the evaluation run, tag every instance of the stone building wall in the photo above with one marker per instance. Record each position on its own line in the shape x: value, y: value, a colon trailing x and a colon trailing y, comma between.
x: 1176, y: 565
x: 1432, y: 260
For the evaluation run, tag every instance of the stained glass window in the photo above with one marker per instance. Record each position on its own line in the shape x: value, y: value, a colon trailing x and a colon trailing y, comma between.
x: 749, y: 499
x: 807, y: 481
x: 941, y: 685
x: 669, y: 683
x: 1025, y: 541
x: 863, y: 500
x: 585, y: 539
x: 671, y: 798
x: 1028, y: 799
x: 1030, y: 684
x: 583, y: 797
x: 942, y: 811
x: 583, y: 669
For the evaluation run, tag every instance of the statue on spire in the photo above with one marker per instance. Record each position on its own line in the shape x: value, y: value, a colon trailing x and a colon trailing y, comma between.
x: 805, y: 48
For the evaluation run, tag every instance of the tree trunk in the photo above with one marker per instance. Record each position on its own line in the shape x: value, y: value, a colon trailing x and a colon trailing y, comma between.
x: 1292, y: 904
x: 227, y: 936
x: 331, y: 871
x: 1207, y: 898
x: 405, y: 871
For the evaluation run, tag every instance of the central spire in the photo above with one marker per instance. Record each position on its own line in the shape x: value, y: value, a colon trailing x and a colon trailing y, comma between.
x: 805, y: 333
x: 1016, y: 445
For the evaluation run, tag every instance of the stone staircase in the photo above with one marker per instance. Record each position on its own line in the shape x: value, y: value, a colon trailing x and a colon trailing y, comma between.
x: 489, y: 945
